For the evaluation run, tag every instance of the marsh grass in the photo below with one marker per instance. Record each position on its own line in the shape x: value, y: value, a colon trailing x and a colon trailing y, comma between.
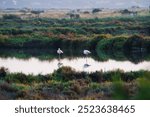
x: 65, y: 83
x: 143, y: 88
x: 119, y: 91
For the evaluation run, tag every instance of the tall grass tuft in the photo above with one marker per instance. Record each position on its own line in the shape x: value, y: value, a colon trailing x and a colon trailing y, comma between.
x: 143, y: 88
x: 119, y: 91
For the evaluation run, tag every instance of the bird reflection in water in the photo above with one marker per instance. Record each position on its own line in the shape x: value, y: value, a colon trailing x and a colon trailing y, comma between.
x: 59, y: 64
x: 86, y: 65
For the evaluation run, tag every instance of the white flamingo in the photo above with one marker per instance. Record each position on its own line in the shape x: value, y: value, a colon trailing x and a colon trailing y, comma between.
x: 59, y: 51
x: 86, y: 52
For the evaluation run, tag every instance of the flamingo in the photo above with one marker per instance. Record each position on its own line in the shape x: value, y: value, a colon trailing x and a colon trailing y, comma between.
x: 59, y: 51
x: 86, y: 52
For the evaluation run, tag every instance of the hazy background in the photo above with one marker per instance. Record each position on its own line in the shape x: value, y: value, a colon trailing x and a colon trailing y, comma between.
x: 73, y: 4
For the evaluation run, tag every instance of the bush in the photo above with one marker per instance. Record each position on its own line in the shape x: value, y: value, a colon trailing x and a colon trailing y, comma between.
x: 68, y: 74
x: 14, y: 17
x: 96, y: 10
x: 97, y: 77
x: 3, y: 72
x: 143, y: 92
x: 111, y: 44
x: 64, y: 74
x: 6, y: 87
x: 119, y: 91
x: 135, y: 43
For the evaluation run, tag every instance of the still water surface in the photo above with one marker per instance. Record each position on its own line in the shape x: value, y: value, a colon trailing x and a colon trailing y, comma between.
x: 36, y: 66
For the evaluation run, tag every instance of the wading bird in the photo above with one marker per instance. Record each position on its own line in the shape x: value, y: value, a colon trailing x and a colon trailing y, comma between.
x: 86, y: 52
x: 59, y: 51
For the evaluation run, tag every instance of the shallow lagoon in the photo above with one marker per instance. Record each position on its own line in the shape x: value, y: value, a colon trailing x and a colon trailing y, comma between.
x: 36, y: 66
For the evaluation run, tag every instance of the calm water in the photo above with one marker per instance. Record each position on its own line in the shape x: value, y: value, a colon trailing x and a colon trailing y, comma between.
x: 36, y: 66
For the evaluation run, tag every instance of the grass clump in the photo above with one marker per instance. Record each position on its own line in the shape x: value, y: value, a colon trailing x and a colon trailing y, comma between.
x: 143, y: 92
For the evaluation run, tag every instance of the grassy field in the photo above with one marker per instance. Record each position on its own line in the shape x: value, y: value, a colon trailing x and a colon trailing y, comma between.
x: 117, y: 33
